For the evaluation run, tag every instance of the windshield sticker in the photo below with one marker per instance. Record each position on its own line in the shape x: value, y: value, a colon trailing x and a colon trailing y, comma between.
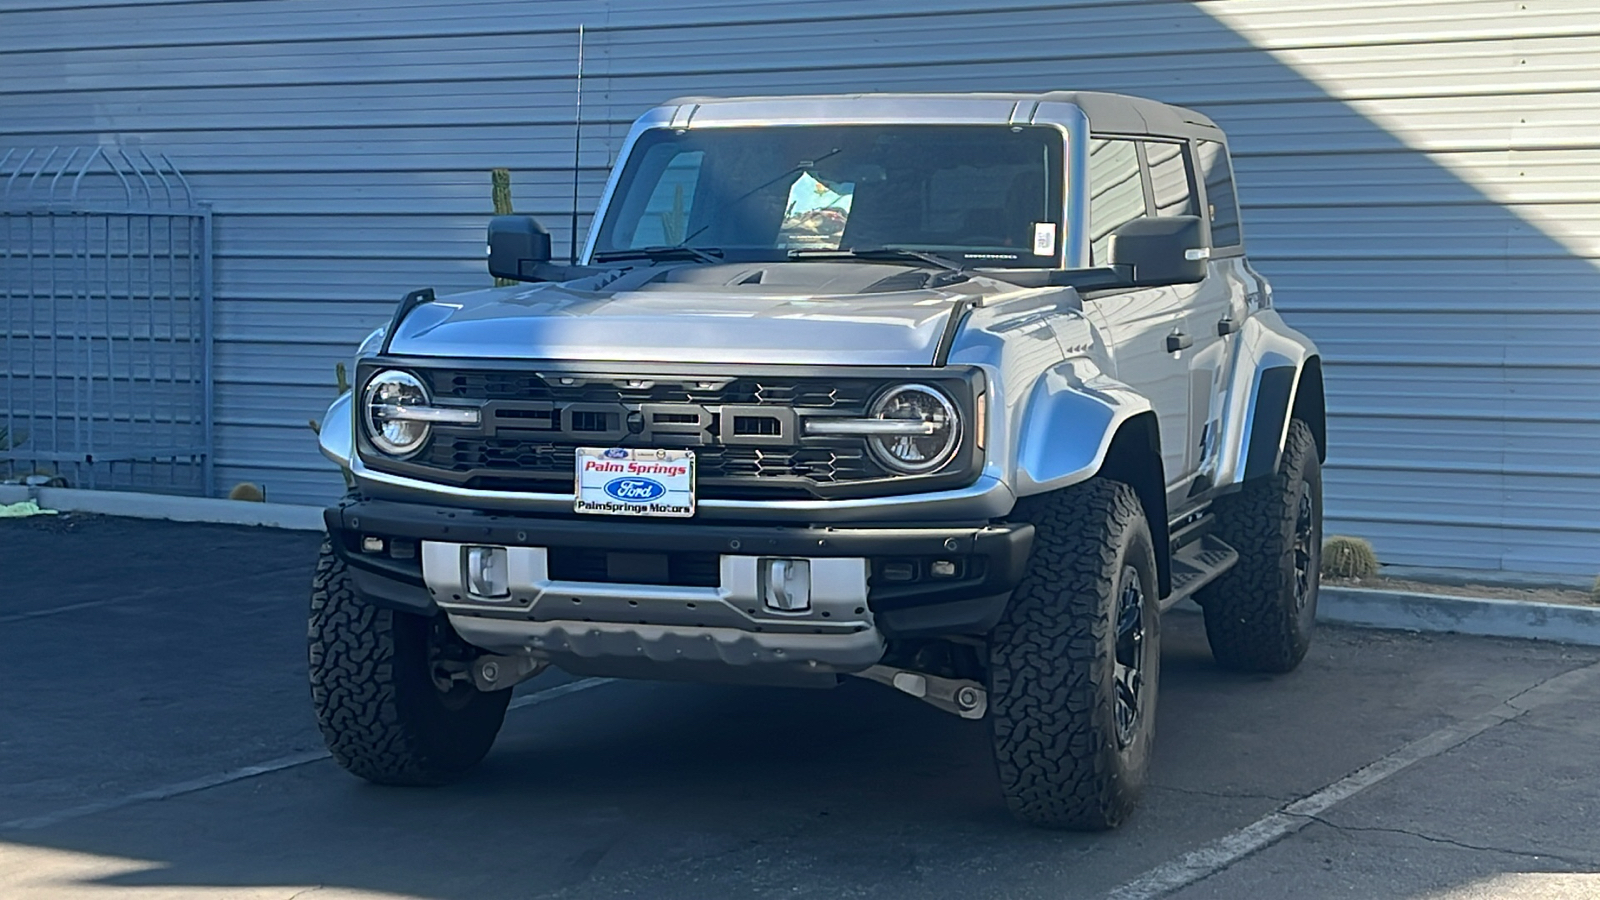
x: 1044, y: 239
x: 816, y: 212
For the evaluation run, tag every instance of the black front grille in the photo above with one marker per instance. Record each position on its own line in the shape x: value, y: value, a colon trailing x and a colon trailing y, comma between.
x: 486, y: 460
x: 746, y: 431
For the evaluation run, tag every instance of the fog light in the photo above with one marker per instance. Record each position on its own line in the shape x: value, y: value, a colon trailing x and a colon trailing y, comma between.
x: 372, y: 545
x: 486, y: 573
x: 786, y: 584
x: 942, y: 568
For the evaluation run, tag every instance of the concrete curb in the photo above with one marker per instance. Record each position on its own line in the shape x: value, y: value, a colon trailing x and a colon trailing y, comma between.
x: 1406, y: 611
x: 1343, y: 606
x: 161, y: 506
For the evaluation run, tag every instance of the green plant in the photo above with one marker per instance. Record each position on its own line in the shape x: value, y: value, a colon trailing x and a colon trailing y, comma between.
x: 341, y: 383
x: 1348, y: 557
x: 248, y: 492
x: 675, y: 222
x: 500, y: 192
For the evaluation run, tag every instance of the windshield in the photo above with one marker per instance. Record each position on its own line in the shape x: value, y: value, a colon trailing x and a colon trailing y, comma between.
x: 981, y: 195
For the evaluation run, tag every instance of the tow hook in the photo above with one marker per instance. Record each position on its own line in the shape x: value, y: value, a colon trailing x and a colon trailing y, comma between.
x: 961, y: 696
x: 496, y: 673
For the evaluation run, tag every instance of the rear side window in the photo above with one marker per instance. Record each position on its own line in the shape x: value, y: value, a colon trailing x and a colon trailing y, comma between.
x: 1212, y: 159
x: 1116, y: 194
x: 1169, y: 179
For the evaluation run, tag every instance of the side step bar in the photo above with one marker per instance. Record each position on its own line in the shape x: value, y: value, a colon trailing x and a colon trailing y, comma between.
x: 1196, y: 564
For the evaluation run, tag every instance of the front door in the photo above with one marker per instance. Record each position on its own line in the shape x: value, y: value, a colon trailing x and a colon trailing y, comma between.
x: 1149, y: 342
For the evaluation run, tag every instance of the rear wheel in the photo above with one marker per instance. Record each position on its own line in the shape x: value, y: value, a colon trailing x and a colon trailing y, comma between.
x: 1074, y: 663
x: 391, y: 689
x: 1260, y: 614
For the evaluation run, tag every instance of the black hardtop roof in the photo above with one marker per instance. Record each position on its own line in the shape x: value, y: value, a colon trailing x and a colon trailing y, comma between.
x: 1108, y: 113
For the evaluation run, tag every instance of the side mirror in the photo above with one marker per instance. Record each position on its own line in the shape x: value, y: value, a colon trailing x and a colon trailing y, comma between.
x: 517, y: 244
x: 1167, y: 250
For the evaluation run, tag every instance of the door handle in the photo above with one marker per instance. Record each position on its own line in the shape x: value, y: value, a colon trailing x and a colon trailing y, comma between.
x: 1226, y: 327
x: 1177, y: 341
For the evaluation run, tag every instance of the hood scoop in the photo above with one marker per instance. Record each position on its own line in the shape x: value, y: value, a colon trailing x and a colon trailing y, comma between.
x: 833, y: 278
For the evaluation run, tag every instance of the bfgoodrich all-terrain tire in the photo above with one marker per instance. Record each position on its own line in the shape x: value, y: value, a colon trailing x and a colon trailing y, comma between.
x: 382, y: 687
x: 1074, y: 663
x: 1260, y: 614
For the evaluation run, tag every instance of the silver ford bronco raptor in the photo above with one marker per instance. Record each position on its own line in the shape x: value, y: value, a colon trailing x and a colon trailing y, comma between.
x: 955, y: 393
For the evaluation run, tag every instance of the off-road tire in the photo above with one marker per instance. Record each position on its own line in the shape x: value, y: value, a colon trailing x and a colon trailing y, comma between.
x: 381, y: 713
x: 1257, y: 618
x: 1062, y: 759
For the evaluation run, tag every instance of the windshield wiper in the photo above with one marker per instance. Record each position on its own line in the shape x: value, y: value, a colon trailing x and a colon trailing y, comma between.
x: 883, y: 253
x: 662, y: 254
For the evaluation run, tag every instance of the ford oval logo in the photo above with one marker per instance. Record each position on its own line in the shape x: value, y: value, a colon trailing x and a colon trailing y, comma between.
x: 635, y: 490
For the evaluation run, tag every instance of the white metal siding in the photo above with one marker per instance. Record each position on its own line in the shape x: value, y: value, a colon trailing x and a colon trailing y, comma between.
x: 1418, y: 178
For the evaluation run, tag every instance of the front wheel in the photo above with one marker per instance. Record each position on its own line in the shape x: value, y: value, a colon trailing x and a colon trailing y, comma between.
x: 1075, y: 661
x: 390, y: 688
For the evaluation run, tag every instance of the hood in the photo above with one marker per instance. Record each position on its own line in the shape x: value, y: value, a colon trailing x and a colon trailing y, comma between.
x: 820, y: 313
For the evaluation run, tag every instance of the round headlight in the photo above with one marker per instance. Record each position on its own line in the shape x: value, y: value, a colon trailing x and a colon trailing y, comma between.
x: 916, y: 450
x: 387, y: 393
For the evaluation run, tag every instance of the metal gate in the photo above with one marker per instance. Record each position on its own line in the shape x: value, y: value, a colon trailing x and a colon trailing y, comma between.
x: 105, y: 277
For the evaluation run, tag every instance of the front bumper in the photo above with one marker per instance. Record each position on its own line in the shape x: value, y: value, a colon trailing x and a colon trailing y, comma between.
x: 606, y: 626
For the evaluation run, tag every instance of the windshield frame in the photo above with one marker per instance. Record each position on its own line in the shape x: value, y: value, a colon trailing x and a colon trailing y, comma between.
x: 1058, y: 144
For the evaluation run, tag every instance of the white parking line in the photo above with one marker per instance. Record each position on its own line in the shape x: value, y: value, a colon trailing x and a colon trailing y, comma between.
x: 39, y: 613
x: 1229, y: 849
x: 166, y: 792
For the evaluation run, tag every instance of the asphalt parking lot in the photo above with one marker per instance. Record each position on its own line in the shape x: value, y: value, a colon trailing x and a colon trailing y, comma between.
x: 156, y: 741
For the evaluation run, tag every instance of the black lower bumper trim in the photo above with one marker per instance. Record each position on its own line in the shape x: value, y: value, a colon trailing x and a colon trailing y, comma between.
x: 928, y: 608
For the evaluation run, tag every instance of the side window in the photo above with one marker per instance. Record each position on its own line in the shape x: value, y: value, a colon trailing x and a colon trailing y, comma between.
x: 1212, y: 160
x: 1116, y: 195
x: 666, y: 213
x: 1169, y: 179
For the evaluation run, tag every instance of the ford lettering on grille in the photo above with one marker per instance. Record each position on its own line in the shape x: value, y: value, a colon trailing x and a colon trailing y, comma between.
x: 635, y: 490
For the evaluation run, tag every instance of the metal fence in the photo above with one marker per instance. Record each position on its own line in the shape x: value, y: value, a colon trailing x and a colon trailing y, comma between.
x: 105, y: 278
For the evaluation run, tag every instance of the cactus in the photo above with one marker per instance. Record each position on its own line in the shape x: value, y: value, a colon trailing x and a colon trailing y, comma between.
x: 500, y: 192
x: 1348, y: 557
x: 341, y: 382
x: 673, y: 223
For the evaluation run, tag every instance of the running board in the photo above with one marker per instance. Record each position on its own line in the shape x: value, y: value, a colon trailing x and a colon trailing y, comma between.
x: 1195, y: 565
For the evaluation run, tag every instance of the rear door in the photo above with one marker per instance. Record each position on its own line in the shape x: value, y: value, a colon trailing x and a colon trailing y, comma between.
x: 1220, y: 306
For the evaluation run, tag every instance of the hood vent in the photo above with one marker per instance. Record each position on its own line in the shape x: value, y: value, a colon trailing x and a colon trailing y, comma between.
x: 821, y: 277
x: 903, y: 280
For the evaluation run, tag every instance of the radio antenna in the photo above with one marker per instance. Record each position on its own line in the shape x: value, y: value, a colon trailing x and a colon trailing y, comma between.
x: 577, y: 144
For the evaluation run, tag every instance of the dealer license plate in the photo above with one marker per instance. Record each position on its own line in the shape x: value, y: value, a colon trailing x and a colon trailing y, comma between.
x: 621, y: 482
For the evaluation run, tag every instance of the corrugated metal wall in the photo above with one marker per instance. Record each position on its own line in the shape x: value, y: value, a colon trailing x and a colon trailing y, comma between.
x: 1418, y: 178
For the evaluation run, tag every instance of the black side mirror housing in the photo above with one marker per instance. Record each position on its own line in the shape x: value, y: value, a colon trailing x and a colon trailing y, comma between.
x: 1165, y: 250
x: 517, y: 246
